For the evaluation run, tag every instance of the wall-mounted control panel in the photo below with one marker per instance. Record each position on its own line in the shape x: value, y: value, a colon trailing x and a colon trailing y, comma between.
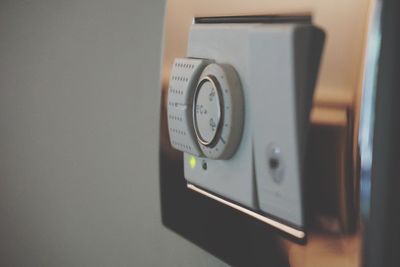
x: 238, y: 107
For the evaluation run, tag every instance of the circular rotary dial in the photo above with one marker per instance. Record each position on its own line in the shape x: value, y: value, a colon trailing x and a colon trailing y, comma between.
x: 218, y: 111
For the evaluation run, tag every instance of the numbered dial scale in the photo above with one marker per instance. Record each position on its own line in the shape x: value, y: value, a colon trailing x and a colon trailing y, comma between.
x: 205, y: 108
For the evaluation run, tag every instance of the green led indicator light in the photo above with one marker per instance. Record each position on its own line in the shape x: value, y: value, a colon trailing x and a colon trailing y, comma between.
x: 192, y: 162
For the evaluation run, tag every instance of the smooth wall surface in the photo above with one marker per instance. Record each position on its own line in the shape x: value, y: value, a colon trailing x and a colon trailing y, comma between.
x: 79, y: 129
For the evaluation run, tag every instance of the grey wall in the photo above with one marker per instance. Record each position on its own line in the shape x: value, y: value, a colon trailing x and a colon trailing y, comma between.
x: 79, y: 103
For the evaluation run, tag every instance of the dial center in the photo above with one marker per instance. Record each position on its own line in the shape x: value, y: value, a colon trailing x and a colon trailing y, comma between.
x: 207, y: 111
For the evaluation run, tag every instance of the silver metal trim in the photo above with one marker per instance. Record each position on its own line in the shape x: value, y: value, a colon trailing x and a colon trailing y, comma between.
x: 285, y: 228
x: 367, y: 113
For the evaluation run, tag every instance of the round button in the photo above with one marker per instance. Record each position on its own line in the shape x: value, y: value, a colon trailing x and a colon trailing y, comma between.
x: 275, y: 163
x: 207, y: 117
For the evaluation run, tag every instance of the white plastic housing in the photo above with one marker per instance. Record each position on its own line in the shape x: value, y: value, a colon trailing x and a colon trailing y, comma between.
x: 183, y: 79
x: 277, y: 65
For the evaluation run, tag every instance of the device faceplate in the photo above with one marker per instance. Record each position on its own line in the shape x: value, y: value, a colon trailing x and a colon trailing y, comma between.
x: 265, y: 57
x: 233, y: 178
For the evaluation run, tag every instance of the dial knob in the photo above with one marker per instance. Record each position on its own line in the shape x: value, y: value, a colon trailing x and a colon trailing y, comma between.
x: 208, y: 111
x: 218, y: 111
